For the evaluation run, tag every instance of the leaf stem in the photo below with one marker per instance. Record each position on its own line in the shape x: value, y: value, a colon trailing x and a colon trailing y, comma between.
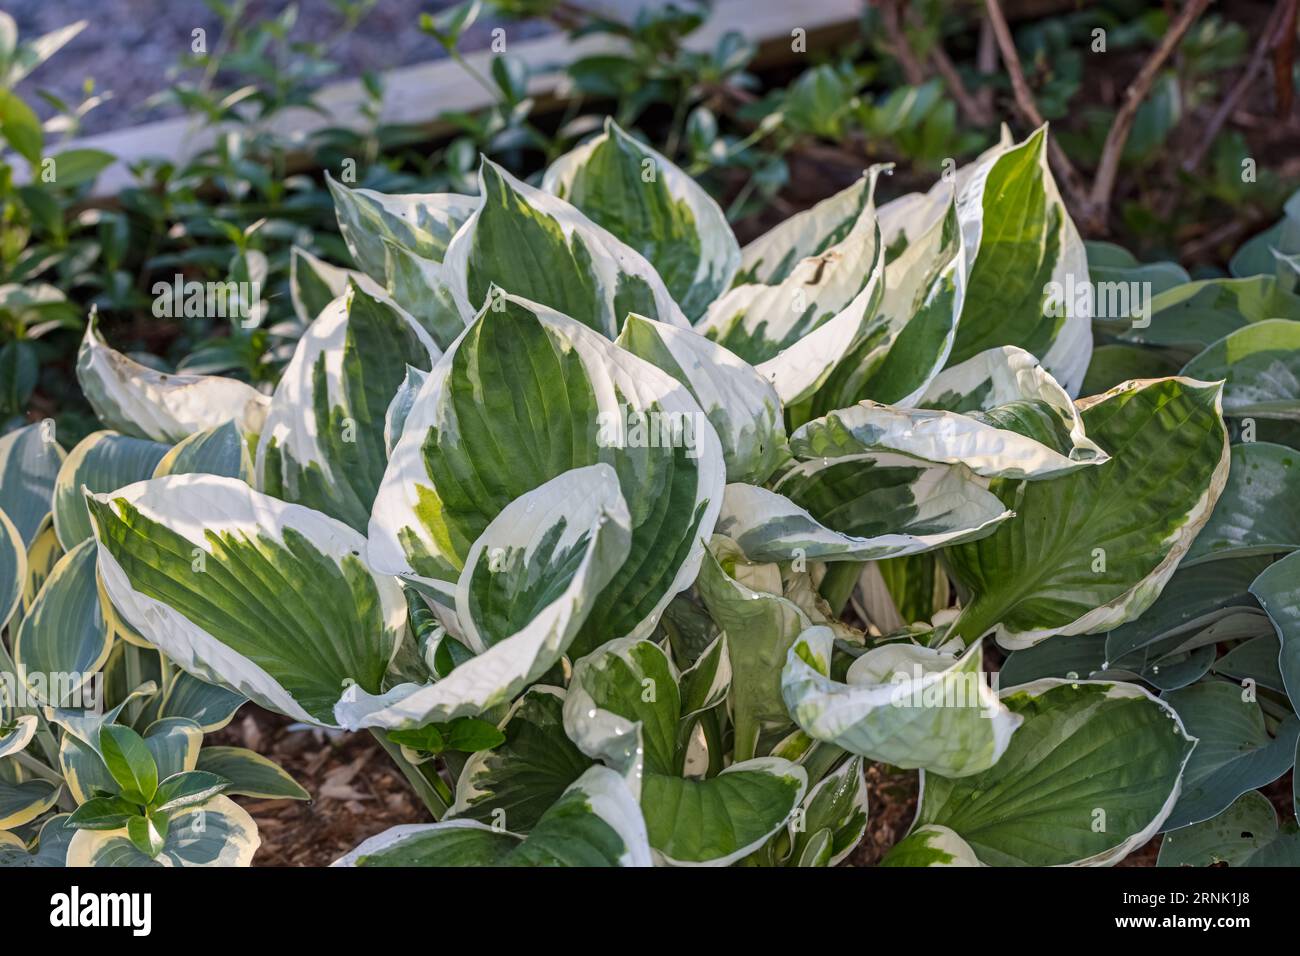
x: 838, y: 583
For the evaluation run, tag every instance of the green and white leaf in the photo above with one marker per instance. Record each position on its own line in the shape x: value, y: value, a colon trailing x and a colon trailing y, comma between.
x: 221, y: 450
x: 323, y: 442
x: 513, y: 785
x: 64, y: 640
x: 314, y: 284
x: 624, y: 708
x: 30, y: 459
x: 999, y: 413
x: 745, y: 599
x: 217, y: 833
x: 759, y: 318
x: 1021, y: 246
x: 595, y: 823
x: 423, y: 223
x: 208, y: 705
x: 537, y: 246
x: 250, y: 774
x: 102, y: 461
x: 13, y: 568
x: 645, y: 200
x: 835, y: 810
x: 1093, y: 549
x: 931, y: 845
x: 21, y: 803
x: 266, y: 598
x: 1092, y: 774
x: 860, y: 508
x: 161, y: 406
x: 524, y: 396
x: 906, y: 338
x: 903, y: 704
x: 741, y: 405
x: 529, y: 584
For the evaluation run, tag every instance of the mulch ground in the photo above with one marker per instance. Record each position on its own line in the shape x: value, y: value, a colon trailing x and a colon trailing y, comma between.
x: 357, y: 792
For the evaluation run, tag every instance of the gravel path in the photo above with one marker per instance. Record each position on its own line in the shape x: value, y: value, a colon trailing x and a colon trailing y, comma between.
x: 130, y: 47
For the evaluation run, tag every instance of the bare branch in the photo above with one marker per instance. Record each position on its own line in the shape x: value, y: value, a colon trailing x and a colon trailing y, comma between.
x: 1235, y: 95
x: 974, y: 111
x: 1104, y: 183
x: 891, y: 20
x: 1071, y: 182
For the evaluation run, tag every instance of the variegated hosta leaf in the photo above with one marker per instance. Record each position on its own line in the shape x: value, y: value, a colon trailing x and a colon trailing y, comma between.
x: 323, y: 443
x: 400, y: 407
x: 1260, y: 366
x: 1259, y: 510
x: 30, y: 459
x: 999, y: 413
x: 525, y: 395
x: 221, y: 450
x: 1029, y: 283
x: 42, y: 555
x: 1091, y: 550
x: 64, y: 640
x: 595, y: 823
x: 314, y: 284
x: 23, y: 802
x: 250, y: 774
x: 423, y: 223
x: 770, y: 311
x: 903, y: 704
x: 773, y: 257
x: 13, y: 568
x: 51, y: 846
x: 860, y: 508
x: 537, y: 246
x: 740, y: 403
x: 746, y: 600
x: 931, y: 845
x: 529, y: 583
x: 910, y: 334
x: 217, y: 833
x: 833, y: 818
x: 172, y: 742
x: 513, y: 784
x: 423, y: 288
x: 17, y: 735
x: 102, y: 461
x: 163, y: 406
x: 1091, y: 775
x: 1278, y: 592
x: 208, y: 705
x: 1236, y: 751
x: 646, y: 201
x: 630, y: 685
x: 271, y: 599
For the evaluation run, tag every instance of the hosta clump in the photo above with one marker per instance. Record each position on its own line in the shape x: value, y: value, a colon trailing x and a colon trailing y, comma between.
x: 102, y: 755
x: 564, y: 496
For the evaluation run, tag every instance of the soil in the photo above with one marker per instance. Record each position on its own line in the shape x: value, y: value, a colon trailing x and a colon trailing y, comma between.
x: 357, y: 793
x: 356, y: 790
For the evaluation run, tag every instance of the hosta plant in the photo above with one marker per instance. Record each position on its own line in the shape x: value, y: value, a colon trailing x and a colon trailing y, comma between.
x: 102, y: 756
x: 635, y: 546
